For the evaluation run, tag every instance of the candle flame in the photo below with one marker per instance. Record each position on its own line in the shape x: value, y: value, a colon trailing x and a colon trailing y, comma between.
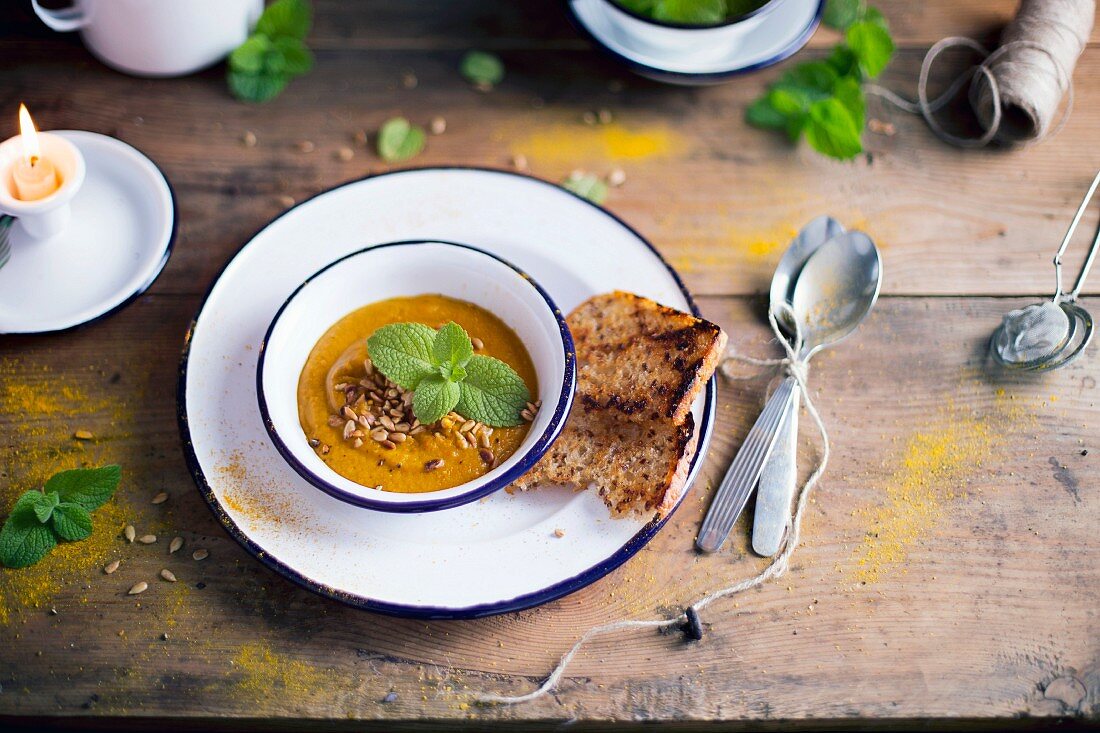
x: 28, y: 135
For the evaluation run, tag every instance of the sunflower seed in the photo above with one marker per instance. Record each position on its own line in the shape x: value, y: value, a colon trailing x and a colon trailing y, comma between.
x: 200, y: 554
x: 249, y: 139
x: 349, y: 426
x: 83, y: 435
x: 388, y: 444
x: 160, y: 498
x: 396, y: 437
x: 335, y: 421
x: 402, y: 427
x: 433, y: 464
x: 345, y: 154
x: 147, y: 539
x: 438, y: 126
x: 559, y: 532
x: 347, y: 413
x: 487, y: 456
x: 129, y: 533
x: 478, y: 343
x: 325, y: 448
x: 136, y: 588
x: 357, y: 443
x: 111, y: 566
x: 314, y: 442
x: 460, y: 441
x: 519, y: 162
x: 616, y: 177
x: 467, y: 426
x: 387, y: 423
x: 417, y: 430
x: 175, y: 545
x: 483, y: 440
x: 305, y: 146
x: 367, y: 421
x: 168, y: 575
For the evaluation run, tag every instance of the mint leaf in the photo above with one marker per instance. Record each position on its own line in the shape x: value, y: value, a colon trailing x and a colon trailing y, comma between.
x: 399, y: 140
x: 586, y: 186
x: 295, y: 57
x: 43, y: 505
x: 871, y: 43
x: 840, y: 14
x: 403, y: 352
x: 452, y: 348
x: 482, y: 69
x: 849, y: 93
x: 23, y: 539
x: 689, y: 12
x: 812, y: 77
x: 286, y: 18
x: 830, y: 129
x: 259, y: 87
x: 88, y: 487
x: 843, y: 61
x: 434, y: 397
x: 71, y: 521
x: 762, y: 113
x: 249, y: 56
x: 492, y: 393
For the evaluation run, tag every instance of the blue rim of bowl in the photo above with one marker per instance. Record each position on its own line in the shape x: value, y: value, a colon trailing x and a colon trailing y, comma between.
x: 527, y: 460
x: 519, y: 603
x: 659, y: 74
x: 689, y: 26
x: 168, y: 247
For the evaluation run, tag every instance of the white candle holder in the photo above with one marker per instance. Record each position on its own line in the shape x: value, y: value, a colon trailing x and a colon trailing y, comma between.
x: 48, y: 216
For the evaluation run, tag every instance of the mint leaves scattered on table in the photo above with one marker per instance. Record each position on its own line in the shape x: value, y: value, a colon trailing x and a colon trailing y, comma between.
x: 483, y: 70
x: 824, y: 99
x: 444, y: 374
x: 586, y: 185
x: 275, y: 53
x: 61, y: 511
x: 399, y: 140
x: 691, y: 12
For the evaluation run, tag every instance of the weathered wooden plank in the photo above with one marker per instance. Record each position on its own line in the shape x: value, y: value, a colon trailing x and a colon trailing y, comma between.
x: 976, y: 599
x: 718, y: 198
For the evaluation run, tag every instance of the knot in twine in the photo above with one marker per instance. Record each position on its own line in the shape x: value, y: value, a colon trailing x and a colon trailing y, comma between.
x: 1016, y: 90
x: 798, y: 368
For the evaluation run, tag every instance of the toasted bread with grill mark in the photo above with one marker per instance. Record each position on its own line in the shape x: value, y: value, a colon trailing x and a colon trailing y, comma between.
x: 640, y: 358
x: 630, y: 435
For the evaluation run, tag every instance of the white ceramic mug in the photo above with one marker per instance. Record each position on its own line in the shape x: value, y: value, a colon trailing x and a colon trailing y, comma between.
x: 157, y: 37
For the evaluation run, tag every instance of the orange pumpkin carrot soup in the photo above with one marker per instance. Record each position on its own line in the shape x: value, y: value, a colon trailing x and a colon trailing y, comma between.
x: 417, y: 394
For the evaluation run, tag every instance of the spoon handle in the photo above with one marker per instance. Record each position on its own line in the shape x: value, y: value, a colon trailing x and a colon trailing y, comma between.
x: 777, y: 482
x: 744, y: 472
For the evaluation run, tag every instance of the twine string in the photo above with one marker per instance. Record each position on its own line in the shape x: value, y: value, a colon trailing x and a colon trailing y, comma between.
x: 793, y: 365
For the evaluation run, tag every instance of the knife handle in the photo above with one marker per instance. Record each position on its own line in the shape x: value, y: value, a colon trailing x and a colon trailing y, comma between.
x: 777, y: 482
x: 733, y: 493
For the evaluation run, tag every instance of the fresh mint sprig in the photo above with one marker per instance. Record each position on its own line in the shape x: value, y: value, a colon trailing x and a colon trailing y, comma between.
x: 824, y: 99
x: 61, y: 511
x: 444, y: 374
x: 399, y: 140
x: 275, y: 53
x: 483, y: 70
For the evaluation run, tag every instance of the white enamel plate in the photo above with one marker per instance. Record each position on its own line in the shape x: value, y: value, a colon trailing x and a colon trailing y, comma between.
x: 495, y: 555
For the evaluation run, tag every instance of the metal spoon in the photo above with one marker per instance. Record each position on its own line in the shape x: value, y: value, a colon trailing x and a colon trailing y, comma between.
x: 834, y: 292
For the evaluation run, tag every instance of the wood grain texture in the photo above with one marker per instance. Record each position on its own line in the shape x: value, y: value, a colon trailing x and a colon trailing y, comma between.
x: 994, y: 604
x: 982, y: 604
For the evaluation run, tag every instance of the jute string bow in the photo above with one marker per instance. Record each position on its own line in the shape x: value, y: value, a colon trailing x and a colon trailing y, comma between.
x: 797, y: 368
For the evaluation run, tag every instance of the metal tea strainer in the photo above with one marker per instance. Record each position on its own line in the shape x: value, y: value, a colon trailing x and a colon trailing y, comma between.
x: 1051, y: 334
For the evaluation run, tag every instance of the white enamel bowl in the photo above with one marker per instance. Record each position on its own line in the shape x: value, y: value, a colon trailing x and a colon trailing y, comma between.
x: 404, y: 269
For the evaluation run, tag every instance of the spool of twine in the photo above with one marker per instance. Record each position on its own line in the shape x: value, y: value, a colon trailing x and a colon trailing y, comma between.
x: 1017, y: 90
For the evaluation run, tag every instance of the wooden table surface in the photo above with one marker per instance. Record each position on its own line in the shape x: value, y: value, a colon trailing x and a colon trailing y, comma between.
x: 951, y: 565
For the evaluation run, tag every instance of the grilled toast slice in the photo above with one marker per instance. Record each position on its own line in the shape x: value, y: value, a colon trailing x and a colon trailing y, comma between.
x: 630, y: 435
x: 640, y: 358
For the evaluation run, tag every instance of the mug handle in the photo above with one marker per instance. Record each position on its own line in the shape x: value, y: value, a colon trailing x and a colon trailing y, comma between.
x: 64, y: 20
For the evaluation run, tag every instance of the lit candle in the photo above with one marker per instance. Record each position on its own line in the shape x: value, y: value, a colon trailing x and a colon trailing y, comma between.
x: 35, y: 177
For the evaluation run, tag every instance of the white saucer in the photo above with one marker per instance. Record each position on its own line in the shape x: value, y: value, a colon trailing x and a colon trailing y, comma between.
x: 117, y: 242
x: 499, y: 554
x: 784, y: 31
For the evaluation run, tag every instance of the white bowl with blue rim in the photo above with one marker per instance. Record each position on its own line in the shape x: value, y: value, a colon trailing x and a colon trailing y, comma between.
x: 410, y: 268
x: 694, y: 55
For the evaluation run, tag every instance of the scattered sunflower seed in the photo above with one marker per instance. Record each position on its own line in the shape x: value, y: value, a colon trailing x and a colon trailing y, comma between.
x: 200, y: 554
x: 129, y: 533
x: 286, y: 201
x: 160, y: 498
x: 359, y: 137
x: 604, y: 116
x: 409, y: 80
x: 175, y: 545
x: 559, y: 532
x: 168, y: 575
x: 345, y: 154
x: 438, y: 126
x: 519, y: 162
x: 616, y: 177
x: 83, y: 435
x: 305, y: 146
x: 136, y: 588
x: 111, y: 566
x: 249, y: 139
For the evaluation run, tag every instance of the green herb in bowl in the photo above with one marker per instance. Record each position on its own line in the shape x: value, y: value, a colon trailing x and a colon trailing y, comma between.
x: 692, y: 12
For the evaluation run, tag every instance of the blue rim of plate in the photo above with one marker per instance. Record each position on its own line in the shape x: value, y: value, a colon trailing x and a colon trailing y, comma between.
x: 685, y: 77
x: 533, y: 454
x: 169, y: 246
x: 518, y: 603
